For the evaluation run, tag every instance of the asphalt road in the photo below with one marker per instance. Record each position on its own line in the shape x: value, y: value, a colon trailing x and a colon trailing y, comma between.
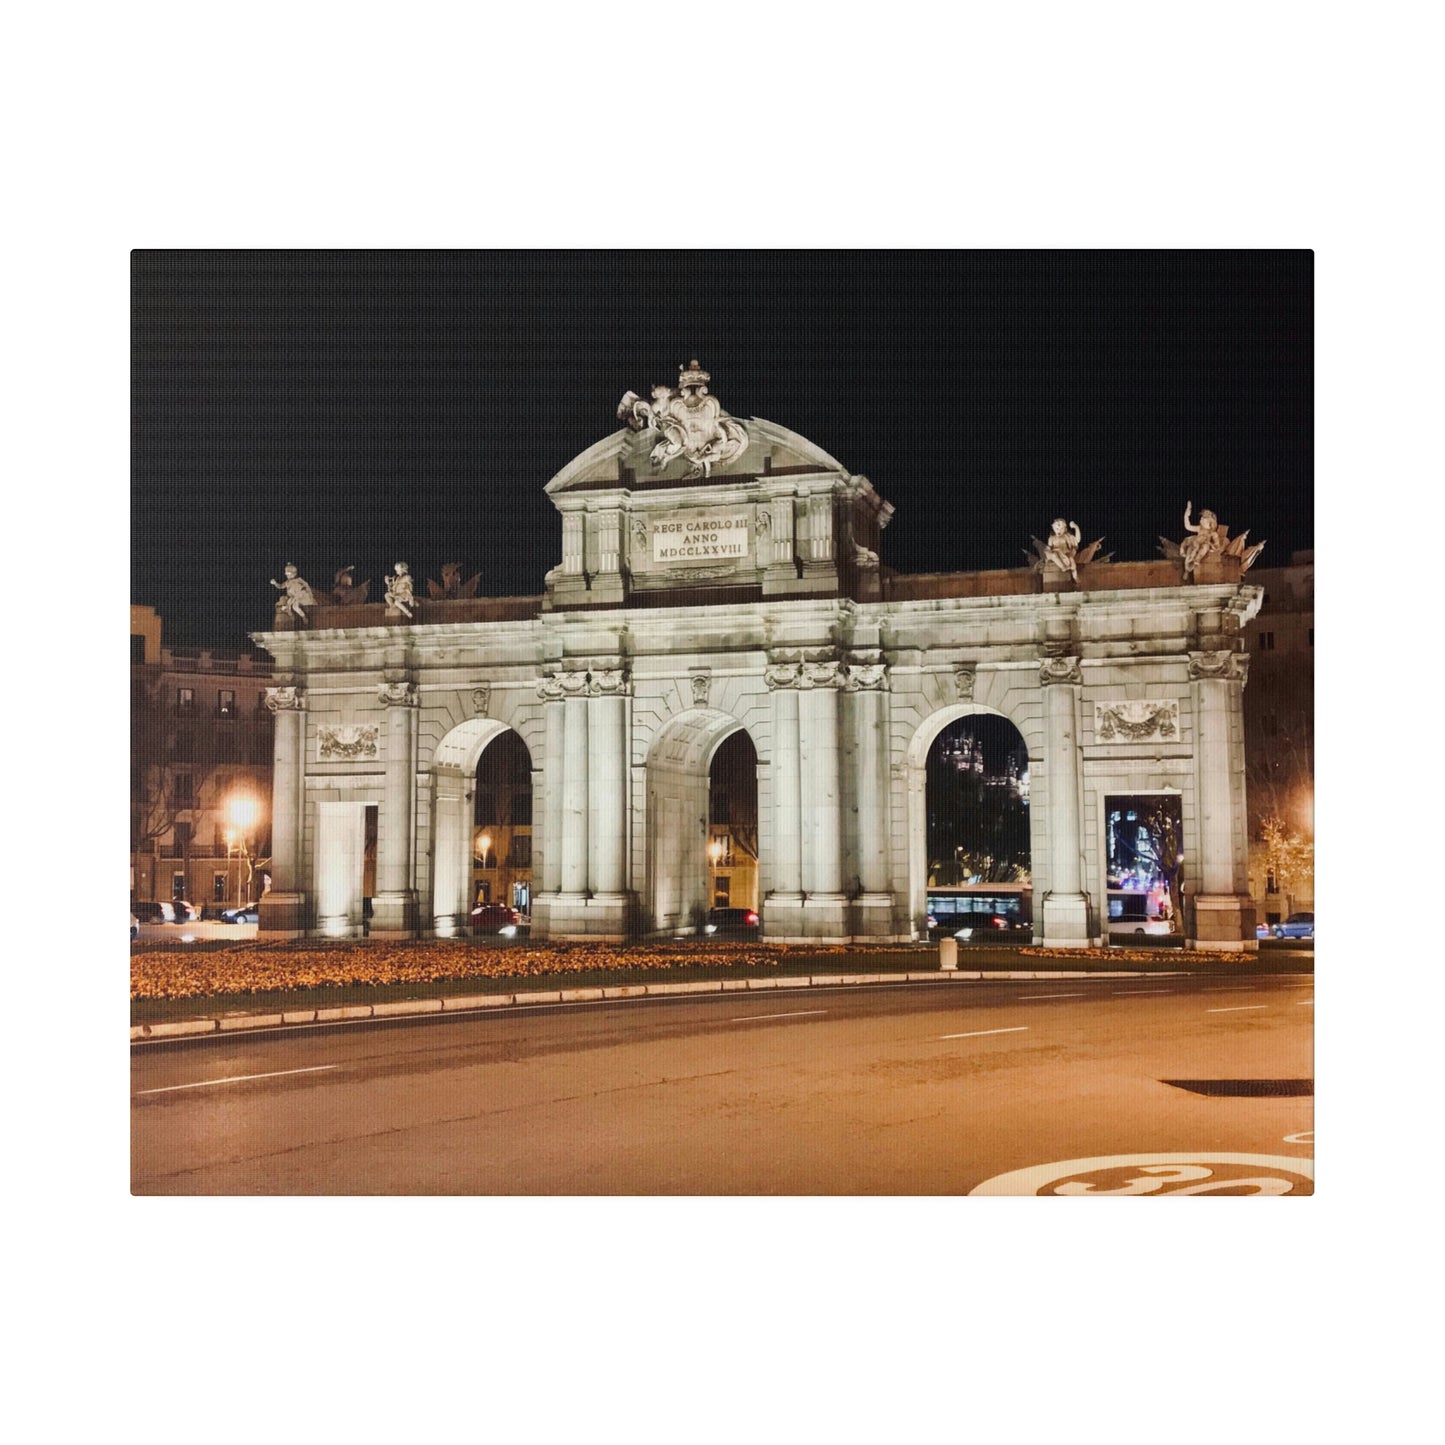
x: 911, y: 1089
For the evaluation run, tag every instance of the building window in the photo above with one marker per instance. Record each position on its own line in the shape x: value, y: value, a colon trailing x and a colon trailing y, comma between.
x: 185, y: 699
x: 1266, y: 642
x: 522, y: 809
x: 218, y: 887
x: 521, y: 851
x: 185, y: 748
x: 182, y: 790
x: 226, y: 747
x: 225, y: 704
x: 178, y: 885
x: 485, y: 815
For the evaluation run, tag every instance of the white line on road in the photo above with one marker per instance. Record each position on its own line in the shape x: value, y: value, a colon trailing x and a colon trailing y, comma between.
x: 1126, y: 992
x: 237, y: 1079
x: 979, y: 1033
x: 796, y: 1014
x: 1304, y: 1003
x: 1236, y: 1008
x: 1233, y: 988
x: 1023, y: 996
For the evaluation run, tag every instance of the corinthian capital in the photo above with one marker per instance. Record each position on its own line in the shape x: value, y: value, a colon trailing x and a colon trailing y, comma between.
x: 1228, y: 666
x: 285, y: 699
x: 397, y: 694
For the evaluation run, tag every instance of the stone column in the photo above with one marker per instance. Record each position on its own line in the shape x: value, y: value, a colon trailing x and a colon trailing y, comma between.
x: 1222, y: 910
x: 553, y: 766
x: 576, y: 798
x: 787, y: 861
x: 824, y: 904
x: 867, y: 683
x: 394, y: 908
x: 283, y: 909
x: 1065, y: 908
x: 607, y: 783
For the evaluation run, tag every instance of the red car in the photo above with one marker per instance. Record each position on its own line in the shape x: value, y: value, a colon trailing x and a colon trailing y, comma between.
x: 496, y: 918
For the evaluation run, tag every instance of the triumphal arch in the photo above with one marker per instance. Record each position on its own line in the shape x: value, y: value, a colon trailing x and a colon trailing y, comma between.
x: 721, y: 576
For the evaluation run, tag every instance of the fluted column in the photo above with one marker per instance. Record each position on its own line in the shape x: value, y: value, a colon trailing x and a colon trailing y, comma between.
x: 1222, y: 912
x: 576, y: 799
x: 867, y: 683
x: 607, y: 781
x: 1065, y: 908
x: 283, y: 907
x: 822, y: 802
x: 551, y: 792
x: 394, y: 907
x: 787, y: 861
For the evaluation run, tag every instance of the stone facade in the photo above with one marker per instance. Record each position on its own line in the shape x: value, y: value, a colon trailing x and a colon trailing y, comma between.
x: 751, y: 597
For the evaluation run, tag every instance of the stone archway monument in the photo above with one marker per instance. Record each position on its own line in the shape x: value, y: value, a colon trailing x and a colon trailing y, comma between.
x: 720, y: 574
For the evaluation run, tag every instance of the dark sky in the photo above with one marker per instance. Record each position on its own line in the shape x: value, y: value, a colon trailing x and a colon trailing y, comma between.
x: 333, y: 407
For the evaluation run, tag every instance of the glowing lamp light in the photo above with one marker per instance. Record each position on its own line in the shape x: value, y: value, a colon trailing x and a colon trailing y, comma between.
x: 241, y: 812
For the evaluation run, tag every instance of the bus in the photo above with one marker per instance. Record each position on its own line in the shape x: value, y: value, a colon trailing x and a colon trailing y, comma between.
x: 1139, y: 910
x: 978, y: 910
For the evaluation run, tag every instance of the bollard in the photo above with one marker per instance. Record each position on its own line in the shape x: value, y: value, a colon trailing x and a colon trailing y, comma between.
x: 947, y: 953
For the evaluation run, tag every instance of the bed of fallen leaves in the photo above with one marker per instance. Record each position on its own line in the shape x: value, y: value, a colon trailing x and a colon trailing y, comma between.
x: 178, y: 972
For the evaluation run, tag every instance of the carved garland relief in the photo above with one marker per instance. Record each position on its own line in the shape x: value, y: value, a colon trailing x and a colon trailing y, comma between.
x: 1133, y: 722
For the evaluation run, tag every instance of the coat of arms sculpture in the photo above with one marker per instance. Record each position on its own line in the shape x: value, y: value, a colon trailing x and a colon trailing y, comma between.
x: 691, y: 422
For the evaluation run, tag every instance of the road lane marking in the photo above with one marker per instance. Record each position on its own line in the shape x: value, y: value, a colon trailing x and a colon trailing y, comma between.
x: 1052, y: 995
x: 237, y: 1079
x: 796, y: 1014
x: 1304, y: 1003
x: 1126, y: 992
x: 1236, y: 1008
x: 1233, y: 988
x: 979, y: 1033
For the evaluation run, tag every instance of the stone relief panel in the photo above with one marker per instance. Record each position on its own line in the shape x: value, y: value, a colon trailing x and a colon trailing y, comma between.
x: 1133, y: 722
x: 347, y: 742
x: 397, y: 694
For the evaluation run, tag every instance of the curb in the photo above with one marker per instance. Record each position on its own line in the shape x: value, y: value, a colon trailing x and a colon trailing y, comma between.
x: 230, y: 1022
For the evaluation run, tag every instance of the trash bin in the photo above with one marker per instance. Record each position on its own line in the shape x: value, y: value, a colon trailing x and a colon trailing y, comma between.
x: 948, y: 953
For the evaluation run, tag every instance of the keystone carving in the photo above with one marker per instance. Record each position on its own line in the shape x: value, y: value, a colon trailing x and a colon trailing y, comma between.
x: 701, y: 687
x: 482, y: 699
x: 397, y: 694
x: 964, y: 675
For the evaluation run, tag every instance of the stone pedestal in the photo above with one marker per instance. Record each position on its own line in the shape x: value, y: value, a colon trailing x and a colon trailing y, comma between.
x: 282, y: 915
x: 1224, y: 924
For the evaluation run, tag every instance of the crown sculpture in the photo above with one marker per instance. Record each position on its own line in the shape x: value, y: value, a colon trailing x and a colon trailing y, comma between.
x: 690, y: 421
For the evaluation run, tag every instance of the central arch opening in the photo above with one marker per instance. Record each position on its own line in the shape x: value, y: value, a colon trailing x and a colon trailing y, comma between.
x: 702, y: 821
x: 978, y: 848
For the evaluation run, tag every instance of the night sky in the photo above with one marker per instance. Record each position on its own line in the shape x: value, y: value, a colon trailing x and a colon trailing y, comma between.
x: 334, y: 407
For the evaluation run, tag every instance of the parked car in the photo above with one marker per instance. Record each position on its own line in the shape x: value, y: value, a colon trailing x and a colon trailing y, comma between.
x: 153, y: 913
x: 733, y: 923
x: 1263, y: 930
x: 1136, y: 926
x: 251, y: 913
x: 1297, y: 925
x: 134, y: 926
x: 496, y: 918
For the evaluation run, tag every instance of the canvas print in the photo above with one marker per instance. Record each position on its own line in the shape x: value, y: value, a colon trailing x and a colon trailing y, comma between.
x: 773, y: 723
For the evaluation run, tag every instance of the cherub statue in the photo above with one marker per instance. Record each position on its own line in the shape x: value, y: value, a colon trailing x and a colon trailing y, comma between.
x: 399, y: 594
x: 451, y: 585
x: 1209, y: 539
x: 296, y: 594
x: 346, y: 593
x: 1063, y: 549
x: 1204, y: 540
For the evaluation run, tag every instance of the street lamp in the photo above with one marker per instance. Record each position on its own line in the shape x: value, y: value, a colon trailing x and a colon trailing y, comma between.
x: 485, y: 844
x: 241, y: 812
